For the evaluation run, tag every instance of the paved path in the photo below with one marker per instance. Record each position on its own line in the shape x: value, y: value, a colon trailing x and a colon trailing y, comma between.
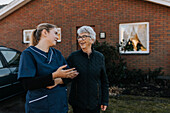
x: 13, y: 105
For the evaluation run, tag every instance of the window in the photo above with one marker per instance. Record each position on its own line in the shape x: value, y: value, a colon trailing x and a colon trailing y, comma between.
x: 12, y: 57
x: 1, y: 66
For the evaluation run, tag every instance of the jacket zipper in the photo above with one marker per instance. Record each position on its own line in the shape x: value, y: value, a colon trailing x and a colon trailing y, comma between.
x: 97, y: 90
x: 87, y: 78
x: 76, y: 91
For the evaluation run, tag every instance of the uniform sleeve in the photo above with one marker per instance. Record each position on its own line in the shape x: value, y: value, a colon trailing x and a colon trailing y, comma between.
x: 27, y: 66
x: 62, y: 59
x: 65, y: 63
x: 31, y: 83
x: 104, y: 84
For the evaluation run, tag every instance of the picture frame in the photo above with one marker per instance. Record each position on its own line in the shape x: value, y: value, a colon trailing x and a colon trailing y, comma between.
x: 59, y: 34
x: 134, y: 38
x: 27, y: 35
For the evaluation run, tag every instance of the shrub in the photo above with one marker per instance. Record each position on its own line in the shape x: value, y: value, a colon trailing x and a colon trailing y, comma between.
x: 115, y: 65
x: 116, y: 68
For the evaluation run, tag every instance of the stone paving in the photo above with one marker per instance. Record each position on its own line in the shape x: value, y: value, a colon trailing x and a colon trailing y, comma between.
x: 13, y: 105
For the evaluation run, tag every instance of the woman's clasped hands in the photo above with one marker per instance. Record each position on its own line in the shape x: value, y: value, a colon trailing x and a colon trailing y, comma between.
x: 61, y: 73
x: 65, y: 73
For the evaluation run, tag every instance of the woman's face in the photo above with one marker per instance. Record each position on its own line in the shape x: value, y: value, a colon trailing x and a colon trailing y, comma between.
x: 52, y: 37
x: 85, y: 40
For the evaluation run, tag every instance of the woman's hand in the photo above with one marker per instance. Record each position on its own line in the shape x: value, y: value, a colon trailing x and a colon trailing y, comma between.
x: 68, y: 73
x: 103, y: 107
x: 56, y: 82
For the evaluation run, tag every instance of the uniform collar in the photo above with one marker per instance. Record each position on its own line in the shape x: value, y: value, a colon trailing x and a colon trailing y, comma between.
x: 47, y: 55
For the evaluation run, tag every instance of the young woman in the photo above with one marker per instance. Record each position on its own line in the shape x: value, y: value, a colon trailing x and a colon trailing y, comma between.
x: 41, y: 69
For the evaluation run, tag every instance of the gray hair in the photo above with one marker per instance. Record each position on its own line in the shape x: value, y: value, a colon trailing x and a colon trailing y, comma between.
x: 87, y: 29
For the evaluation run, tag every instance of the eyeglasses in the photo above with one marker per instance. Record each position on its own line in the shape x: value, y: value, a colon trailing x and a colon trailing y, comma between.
x: 79, y: 38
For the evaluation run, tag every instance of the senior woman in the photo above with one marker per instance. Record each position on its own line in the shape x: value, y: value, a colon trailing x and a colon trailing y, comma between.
x: 89, y: 90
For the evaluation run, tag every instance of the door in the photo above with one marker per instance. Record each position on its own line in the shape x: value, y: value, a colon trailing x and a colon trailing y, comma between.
x: 5, y: 81
x: 12, y: 85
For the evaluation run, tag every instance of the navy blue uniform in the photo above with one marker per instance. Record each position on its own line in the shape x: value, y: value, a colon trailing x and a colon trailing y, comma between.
x: 35, y: 62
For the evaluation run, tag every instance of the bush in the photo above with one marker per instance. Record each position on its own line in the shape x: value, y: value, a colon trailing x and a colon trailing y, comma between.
x: 134, y: 82
x: 116, y: 68
x: 115, y: 65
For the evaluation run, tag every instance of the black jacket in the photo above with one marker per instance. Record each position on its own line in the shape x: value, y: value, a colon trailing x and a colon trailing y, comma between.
x: 90, y: 88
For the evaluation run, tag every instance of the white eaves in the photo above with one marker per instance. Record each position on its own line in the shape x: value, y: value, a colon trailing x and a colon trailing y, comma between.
x: 11, y: 7
x: 162, y: 2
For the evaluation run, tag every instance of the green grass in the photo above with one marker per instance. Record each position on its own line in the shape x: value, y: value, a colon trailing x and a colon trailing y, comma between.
x: 137, y: 104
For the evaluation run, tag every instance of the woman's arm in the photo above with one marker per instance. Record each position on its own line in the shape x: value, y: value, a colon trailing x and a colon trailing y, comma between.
x: 56, y: 82
x: 32, y: 83
x: 104, y: 85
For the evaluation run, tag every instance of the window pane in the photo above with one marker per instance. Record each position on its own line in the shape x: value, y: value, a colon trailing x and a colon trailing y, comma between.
x: 1, y: 66
x: 12, y: 57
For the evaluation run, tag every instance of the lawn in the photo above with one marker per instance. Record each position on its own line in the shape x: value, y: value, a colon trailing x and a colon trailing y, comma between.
x: 137, y: 104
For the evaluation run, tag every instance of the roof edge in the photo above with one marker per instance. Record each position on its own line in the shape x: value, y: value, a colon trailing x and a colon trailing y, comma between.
x: 161, y: 2
x: 14, y: 5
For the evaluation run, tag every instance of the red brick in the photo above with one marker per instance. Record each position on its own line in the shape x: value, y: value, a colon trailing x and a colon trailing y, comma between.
x: 105, y: 15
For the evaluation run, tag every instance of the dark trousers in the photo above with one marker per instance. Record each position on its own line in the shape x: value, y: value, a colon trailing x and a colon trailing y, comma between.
x: 80, y: 110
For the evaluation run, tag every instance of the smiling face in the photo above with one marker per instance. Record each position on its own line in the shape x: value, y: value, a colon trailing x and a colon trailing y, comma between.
x: 85, y: 41
x: 52, y: 37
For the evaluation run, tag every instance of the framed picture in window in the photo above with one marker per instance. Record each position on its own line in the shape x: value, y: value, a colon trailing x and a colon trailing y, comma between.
x: 27, y: 35
x: 59, y: 34
x: 134, y: 38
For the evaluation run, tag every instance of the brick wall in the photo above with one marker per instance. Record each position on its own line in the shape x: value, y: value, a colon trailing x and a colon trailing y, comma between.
x: 105, y: 15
